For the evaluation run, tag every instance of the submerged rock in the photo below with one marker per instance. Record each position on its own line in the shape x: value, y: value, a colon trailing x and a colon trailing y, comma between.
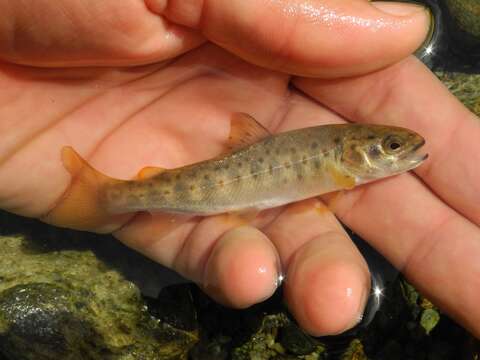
x: 467, y: 15
x: 279, y: 338
x: 70, y: 305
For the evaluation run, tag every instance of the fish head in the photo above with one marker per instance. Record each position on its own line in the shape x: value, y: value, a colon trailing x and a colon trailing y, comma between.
x: 372, y: 152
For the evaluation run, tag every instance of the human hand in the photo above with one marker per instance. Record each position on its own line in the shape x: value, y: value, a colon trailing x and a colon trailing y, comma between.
x: 176, y: 111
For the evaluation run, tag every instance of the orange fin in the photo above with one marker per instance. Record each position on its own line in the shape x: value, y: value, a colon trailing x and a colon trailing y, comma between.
x: 246, y: 215
x: 244, y: 131
x: 81, y: 206
x: 148, y: 172
x: 342, y: 180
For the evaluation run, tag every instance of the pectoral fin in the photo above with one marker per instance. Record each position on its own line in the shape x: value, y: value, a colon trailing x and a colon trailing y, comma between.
x: 148, y: 172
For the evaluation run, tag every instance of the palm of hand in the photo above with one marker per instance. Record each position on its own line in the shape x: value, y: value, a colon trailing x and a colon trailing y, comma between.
x: 166, y: 114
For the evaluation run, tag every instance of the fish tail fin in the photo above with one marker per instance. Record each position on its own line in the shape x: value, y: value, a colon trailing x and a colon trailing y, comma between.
x: 82, y: 206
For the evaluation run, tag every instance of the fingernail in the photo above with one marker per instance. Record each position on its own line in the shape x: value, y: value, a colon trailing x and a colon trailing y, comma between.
x: 398, y: 8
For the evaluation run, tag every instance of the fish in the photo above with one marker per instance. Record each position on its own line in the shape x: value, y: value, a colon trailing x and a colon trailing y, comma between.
x: 259, y: 170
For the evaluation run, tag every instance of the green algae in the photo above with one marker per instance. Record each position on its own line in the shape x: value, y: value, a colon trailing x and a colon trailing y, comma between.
x: 267, y: 343
x: 467, y: 15
x: 422, y: 310
x: 355, y: 351
x: 70, y: 305
x: 466, y: 87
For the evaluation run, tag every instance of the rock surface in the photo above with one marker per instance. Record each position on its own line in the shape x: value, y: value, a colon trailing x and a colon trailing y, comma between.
x: 68, y: 304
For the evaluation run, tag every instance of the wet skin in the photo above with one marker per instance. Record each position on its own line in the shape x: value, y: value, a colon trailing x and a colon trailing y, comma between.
x: 177, y: 111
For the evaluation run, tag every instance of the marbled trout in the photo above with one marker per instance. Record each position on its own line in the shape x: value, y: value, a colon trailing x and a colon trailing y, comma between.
x: 261, y: 171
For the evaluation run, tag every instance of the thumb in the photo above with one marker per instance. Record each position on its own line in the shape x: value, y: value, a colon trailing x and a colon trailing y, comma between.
x: 326, y: 38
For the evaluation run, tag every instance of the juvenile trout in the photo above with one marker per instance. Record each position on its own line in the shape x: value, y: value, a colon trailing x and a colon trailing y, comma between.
x: 261, y: 171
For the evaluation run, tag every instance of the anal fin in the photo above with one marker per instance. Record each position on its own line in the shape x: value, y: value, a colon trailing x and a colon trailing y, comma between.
x: 246, y: 215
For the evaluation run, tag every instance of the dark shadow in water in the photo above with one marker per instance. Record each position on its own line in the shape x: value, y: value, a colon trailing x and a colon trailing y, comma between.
x: 451, y: 48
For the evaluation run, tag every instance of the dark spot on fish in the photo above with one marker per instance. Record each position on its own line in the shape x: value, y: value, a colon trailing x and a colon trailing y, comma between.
x: 314, y: 145
x: 153, y: 193
x: 192, y: 187
x: 299, y: 177
x: 221, y: 183
x: 285, y: 181
x: 255, y: 176
x: 150, y: 184
x: 113, y: 194
x: 270, y: 169
x: 218, y: 168
x: 304, y: 160
x: 373, y: 151
x: 260, y: 160
x: 179, y: 187
x: 267, y: 152
x: 287, y: 165
x: 371, y: 137
x: 277, y: 151
x: 206, y: 177
x: 336, y: 140
x: 177, y: 177
x: 166, y: 192
x: 239, y: 164
x: 317, y: 164
x: 353, y: 147
x: 293, y: 150
x: 132, y: 198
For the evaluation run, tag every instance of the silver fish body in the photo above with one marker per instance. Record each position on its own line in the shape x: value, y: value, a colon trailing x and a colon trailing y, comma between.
x: 274, y: 171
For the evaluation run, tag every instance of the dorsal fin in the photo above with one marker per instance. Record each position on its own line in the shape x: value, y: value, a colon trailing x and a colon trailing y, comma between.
x: 244, y: 131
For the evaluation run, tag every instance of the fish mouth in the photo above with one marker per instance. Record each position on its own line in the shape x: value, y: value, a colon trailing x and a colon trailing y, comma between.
x: 414, y: 157
x: 418, y: 145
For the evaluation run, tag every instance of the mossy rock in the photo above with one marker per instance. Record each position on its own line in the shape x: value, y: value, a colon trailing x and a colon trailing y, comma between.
x: 70, y: 305
x: 466, y: 14
x: 466, y: 87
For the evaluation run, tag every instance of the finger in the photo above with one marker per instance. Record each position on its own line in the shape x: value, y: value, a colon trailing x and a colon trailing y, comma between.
x: 327, y: 280
x: 236, y: 264
x: 451, y: 131
x: 435, y: 247
x: 430, y: 242
x: 316, y: 38
x: 243, y: 268
x: 79, y: 33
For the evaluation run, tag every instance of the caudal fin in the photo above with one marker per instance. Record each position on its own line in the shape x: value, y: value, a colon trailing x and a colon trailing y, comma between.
x: 82, y: 207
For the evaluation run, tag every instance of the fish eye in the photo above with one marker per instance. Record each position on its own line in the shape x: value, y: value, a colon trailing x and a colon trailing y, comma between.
x: 392, y: 143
